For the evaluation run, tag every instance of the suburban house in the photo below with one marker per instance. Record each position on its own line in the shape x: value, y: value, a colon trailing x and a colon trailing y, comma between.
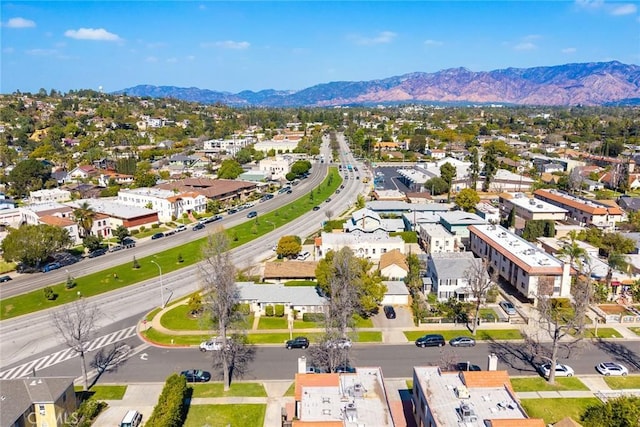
x: 37, y: 402
x: 68, y: 224
x: 393, y: 265
x: 467, y: 398
x: 368, y: 221
x: 297, y: 300
x: 364, y: 245
x: 530, y: 209
x: 289, y: 270
x: 276, y: 168
x: 340, y: 400
x: 435, y: 238
x: 449, y: 274
x: 168, y: 204
x: 526, y: 267
x: 49, y: 195
x: 107, y: 177
x: 83, y: 172
x: 585, y: 211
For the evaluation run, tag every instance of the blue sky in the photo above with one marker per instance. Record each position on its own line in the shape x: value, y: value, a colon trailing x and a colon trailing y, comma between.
x: 233, y: 46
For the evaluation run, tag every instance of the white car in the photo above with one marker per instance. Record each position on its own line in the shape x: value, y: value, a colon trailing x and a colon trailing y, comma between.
x: 561, y: 370
x: 612, y: 368
x: 342, y: 343
x: 214, y: 344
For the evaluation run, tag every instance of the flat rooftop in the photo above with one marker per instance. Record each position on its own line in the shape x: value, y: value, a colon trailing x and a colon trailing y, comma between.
x: 112, y: 207
x: 535, y: 205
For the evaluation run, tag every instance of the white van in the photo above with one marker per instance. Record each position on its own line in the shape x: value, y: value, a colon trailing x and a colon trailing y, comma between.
x: 303, y: 255
x: 133, y: 418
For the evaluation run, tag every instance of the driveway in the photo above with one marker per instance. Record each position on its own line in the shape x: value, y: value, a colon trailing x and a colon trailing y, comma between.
x: 141, y: 397
x: 392, y: 329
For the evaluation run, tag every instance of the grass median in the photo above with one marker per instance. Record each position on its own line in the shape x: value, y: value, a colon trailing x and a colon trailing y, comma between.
x: 170, y: 260
x: 481, y: 335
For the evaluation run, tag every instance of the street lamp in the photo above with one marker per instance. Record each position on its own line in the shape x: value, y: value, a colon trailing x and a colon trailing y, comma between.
x: 161, y: 288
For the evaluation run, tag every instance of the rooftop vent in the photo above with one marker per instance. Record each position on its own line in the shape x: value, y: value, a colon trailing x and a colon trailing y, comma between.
x: 351, y: 413
x: 532, y: 201
x: 467, y: 413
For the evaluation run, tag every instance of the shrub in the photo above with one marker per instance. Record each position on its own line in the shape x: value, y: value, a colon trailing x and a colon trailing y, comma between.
x: 142, y: 228
x: 170, y: 410
x: 279, y: 310
x: 269, y: 310
x: 180, y: 259
x: 492, y: 294
x: 244, y: 309
x: 70, y: 284
x: 313, y: 317
x: 84, y: 416
x: 135, y: 231
x: 156, y: 225
x: 49, y: 294
x: 136, y: 264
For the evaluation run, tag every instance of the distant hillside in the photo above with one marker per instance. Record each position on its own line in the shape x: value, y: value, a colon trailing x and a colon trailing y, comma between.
x: 596, y: 83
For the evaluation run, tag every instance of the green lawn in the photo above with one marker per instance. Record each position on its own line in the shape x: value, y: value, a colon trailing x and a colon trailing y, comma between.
x: 149, y: 317
x: 540, y: 384
x: 619, y: 383
x: 104, y: 392
x: 6, y: 267
x: 160, y: 338
x: 482, y: 334
x: 300, y: 283
x: 602, y: 333
x: 246, y: 415
x: 291, y: 391
x: 125, y: 275
x: 179, y: 319
x: 553, y: 410
x: 362, y: 323
x: 236, y: 389
x: 635, y: 330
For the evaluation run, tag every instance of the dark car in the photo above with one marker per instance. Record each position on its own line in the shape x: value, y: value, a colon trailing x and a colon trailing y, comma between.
x: 316, y: 208
x: 198, y: 226
x: 196, y: 376
x: 128, y: 243
x: 297, y: 342
x: 389, y: 312
x: 328, y: 200
x: 157, y: 236
x: 466, y: 366
x: 232, y: 211
x: 462, y: 342
x: 213, y: 218
x: 4, y: 278
x: 430, y: 340
x: 252, y: 214
x: 97, y: 252
x: 345, y: 369
x: 51, y: 266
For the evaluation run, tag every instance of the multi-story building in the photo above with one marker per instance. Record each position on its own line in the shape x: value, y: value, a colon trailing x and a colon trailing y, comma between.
x: 530, y: 208
x: 585, y: 211
x: 228, y: 146
x: 49, y: 195
x: 169, y: 204
x: 527, y: 268
x: 434, y: 238
x: 276, y: 167
x: 449, y: 273
x: 364, y: 245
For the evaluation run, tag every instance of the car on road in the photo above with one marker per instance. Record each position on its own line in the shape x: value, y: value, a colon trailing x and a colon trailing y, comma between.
x: 198, y: 226
x: 51, y: 266
x: 345, y: 369
x: 196, y: 375
x: 157, y: 236
x: 389, y: 312
x: 561, y: 370
x: 180, y: 228
x: 128, y: 243
x: 316, y: 370
x: 430, y: 340
x: 5, y: 278
x: 328, y: 200
x: 252, y: 214
x: 508, y: 308
x: 341, y: 343
x: 466, y: 366
x: 297, y: 342
x: 212, y: 218
x: 232, y: 211
x: 116, y: 248
x: 342, y: 186
x: 213, y: 344
x: 316, y: 208
x: 462, y: 342
x: 612, y: 368
x: 97, y: 252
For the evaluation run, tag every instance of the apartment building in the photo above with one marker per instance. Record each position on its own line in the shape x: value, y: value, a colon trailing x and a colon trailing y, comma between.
x: 434, y: 238
x: 585, y: 211
x: 167, y: 203
x: 364, y: 245
x: 529, y: 269
x: 531, y: 209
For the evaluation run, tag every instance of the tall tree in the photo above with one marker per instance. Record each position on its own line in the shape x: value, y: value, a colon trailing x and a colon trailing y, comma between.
x: 84, y: 216
x: 32, y: 244
x: 289, y: 246
x: 76, y: 324
x: 474, y: 169
x: 229, y: 169
x: 622, y: 411
x: 572, y: 250
x: 467, y: 199
x: 479, y: 283
x: 448, y: 174
x: 28, y: 175
x: 615, y: 261
x: 490, y: 159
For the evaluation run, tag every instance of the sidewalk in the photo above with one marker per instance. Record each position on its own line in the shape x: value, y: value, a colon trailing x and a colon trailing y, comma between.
x: 597, y: 388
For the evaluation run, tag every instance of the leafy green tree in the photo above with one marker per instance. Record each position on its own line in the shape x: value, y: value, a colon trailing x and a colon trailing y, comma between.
x: 490, y: 159
x: 615, y: 261
x: 121, y: 233
x: 413, y: 278
x: 436, y: 186
x: 32, y: 244
x: 289, y: 246
x: 537, y: 228
x: 418, y: 143
x: 467, y: 199
x: 28, y: 175
x: 145, y: 179
x: 510, y: 222
x: 92, y: 242
x: 243, y: 156
x: 618, y: 243
x: 448, y: 174
x: 360, y: 201
x: 229, y: 169
x: 195, y: 304
x: 300, y: 167
x: 84, y: 216
x: 474, y: 169
x: 572, y: 251
x: 213, y: 206
x: 622, y: 411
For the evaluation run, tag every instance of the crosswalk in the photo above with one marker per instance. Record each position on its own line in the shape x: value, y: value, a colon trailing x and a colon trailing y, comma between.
x: 28, y: 368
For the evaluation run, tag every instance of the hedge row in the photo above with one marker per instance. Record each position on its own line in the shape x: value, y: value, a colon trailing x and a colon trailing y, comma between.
x: 170, y: 410
x: 313, y: 317
x: 278, y: 311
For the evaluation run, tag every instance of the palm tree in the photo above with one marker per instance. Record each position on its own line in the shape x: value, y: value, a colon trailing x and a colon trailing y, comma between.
x: 84, y: 216
x: 616, y: 261
x: 573, y: 251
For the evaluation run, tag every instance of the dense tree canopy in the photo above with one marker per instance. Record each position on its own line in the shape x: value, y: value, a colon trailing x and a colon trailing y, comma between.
x: 229, y: 169
x: 620, y: 412
x: 33, y: 244
x: 28, y: 175
x: 467, y: 199
x: 289, y: 246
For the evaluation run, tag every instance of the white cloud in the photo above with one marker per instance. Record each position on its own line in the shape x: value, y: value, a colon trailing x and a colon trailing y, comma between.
x: 172, y: 60
x: 91, y: 34
x: 41, y: 52
x: 191, y: 58
x: 383, y: 37
x: 624, y: 9
x: 151, y: 59
x: 20, y: 23
x: 525, y: 46
x: 8, y: 50
x: 431, y: 42
x: 589, y: 4
x: 569, y: 50
x: 227, y: 44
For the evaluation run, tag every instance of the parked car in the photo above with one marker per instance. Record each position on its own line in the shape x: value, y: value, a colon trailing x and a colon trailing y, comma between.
x: 232, y: 211
x: 508, y: 308
x: 198, y: 226
x: 132, y: 418
x: 612, y: 368
x: 297, y: 342
x: 389, y: 311
x: 252, y: 214
x: 5, y: 278
x: 302, y: 256
x: 462, y: 342
x: 212, y: 218
x: 97, y: 252
x: 328, y: 200
x: 157, y: 236
x: 466, y: 366
x: 196, y: 376
x: 345, y: 369
x: 128, y: 243
x: 430, y: 340
x: 116, y: 248
x: 316, y: 370
x: 316, y: 208
x: 213, y: 344
x: 341, y: 343
x: 51, y: 266
x: 181, y: 227
x: 561, y: 370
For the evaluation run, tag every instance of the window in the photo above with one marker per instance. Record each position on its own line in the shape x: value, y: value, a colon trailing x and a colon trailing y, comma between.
x: 41, y: 409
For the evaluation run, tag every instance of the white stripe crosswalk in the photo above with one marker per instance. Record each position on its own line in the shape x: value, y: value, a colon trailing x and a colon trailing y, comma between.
x: 27, y: 369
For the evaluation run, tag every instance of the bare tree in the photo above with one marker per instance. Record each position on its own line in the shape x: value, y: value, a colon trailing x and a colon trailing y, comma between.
x: 110, y: 359
x: 76, y: 324
x: 479, y: 283
x: 221, y: 295
x: 328, y: 213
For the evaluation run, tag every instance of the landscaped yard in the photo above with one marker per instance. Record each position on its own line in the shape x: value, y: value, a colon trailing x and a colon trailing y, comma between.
x: 635, y: 330
x: 482, y: 334
x: 540, y: 384
x: 553, y: 410
x: 619, y: 383
x: 615, y: 309
x: 236, y: 389
x: 104, y: 392
x: 283, y: 323
x: 300, y: 283
x: 602, y: 333
x: 246, y: 415
x: 179, y: 319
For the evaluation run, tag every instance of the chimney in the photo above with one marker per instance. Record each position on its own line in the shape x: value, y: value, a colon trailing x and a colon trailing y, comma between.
x: 302, y: 365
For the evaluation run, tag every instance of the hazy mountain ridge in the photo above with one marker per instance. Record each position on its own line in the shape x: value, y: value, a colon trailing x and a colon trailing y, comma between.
x: 595, y: 83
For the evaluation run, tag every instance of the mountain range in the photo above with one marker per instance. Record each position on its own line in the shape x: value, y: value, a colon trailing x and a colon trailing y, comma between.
x: 594, y: 83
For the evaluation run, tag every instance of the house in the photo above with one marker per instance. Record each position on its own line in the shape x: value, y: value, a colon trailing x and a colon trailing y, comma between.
x: 70, y: 225
x: 49, y: 195
x: 83, y: 172
x: 436, y: 153
x: 363, y: 245
x: 435, y: 238
x: 530, y: 208
x: 276, y: 168
x: 296, y: 300
x: 585, y: 211
x: 289, y: 270
x: 117, y: 214
x: 393, y: 265
x: 107, y: 177
x: 340, y: 400
x: 226, y: 191
x: 6, y: 202
x: 629, y: 204
x: 449, y: 274
x: 37, y: 401
x: 488, y: 212
x: 468, y: 398
x: 168, y: 204
x: 368, y: 221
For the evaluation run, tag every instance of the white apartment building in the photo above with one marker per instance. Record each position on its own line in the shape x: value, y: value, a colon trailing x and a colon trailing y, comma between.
x: 585, y: 211
x: 434, y: 238
x: 531, y: 209
x: 364, y: 245
x: 282, y: 146
x: 228, y: 146
x: 167, y: 203
x: 529, y: 269
x: 50, y: 195
x: 276, y: 167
